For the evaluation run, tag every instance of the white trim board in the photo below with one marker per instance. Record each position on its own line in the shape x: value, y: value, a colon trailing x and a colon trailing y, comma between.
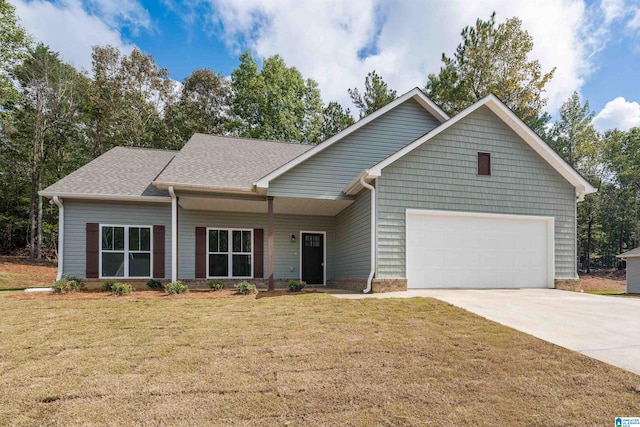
x: 111, y: 197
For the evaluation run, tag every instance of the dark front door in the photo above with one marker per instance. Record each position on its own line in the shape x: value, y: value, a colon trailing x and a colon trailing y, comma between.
x: 313, y: 258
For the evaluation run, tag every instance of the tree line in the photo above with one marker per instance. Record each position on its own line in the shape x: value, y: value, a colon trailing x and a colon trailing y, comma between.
x: 55, y: 118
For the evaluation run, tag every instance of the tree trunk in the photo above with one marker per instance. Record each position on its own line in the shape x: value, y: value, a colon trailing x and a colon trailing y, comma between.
x: 32, y: 219
x: 588, y: 258
x: 39, y: 222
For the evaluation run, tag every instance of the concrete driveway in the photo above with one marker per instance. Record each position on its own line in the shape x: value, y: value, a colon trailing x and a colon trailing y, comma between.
x: 603, y: 327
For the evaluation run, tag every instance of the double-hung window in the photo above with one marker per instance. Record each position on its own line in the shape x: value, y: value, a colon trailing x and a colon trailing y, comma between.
x: 230, y: 253
x: 125, y: 251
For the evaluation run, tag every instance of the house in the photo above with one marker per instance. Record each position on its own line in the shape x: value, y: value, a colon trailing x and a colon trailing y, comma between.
x: 632, y: 258
x: 405, y: 198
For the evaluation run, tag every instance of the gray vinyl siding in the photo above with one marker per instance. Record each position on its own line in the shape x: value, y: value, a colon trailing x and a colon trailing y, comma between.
x: 78, y: 213
x: 325, y: 174
x: 442, y: 175
x: 633, y: 275
x: 287, y: 253
x: 353, y: 239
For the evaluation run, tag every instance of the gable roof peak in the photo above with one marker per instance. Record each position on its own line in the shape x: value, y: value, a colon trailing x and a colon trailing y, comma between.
x: 415, y: 94
x: 505, y: 114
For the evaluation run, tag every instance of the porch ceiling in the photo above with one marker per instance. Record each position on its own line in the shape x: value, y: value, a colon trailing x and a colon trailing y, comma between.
x: 281, y: 205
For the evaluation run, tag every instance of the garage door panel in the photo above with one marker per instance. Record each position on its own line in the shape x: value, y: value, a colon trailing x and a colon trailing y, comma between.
x: 462, y: 250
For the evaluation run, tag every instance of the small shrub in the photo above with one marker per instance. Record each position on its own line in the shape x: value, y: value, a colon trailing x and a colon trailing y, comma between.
x: 216, y: 285
x: 246, y: 288
x: 79, y: 281
x: 297, y: 285
x: 176, y: 287
x: 64, y: 286
x: 121, y: 288
x: 154, y: 283
x: 107, y: 286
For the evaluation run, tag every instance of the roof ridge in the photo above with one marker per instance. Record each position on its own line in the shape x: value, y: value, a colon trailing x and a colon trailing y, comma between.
x: 144, y: 148
x: 256, y: 139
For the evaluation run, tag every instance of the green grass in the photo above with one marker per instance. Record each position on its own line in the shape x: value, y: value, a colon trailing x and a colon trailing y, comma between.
x: 288, y: 360
x: 609, y: 292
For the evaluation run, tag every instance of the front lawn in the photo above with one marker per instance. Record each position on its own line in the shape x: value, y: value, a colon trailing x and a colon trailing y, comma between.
x: 289, y: 360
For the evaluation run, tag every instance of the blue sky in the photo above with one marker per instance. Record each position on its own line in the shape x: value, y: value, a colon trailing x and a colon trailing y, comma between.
x: 593, y: 44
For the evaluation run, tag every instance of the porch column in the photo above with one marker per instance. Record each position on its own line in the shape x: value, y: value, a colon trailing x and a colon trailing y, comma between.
x: 174, y: 235
x: 270, y: 240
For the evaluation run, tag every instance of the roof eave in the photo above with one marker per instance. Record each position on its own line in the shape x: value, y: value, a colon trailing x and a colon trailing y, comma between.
x: 203, y: 188
x: 355, y: 186
x: 110, y: 197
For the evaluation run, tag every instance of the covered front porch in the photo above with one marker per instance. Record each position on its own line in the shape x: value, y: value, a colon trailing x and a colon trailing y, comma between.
x: 268, y: 240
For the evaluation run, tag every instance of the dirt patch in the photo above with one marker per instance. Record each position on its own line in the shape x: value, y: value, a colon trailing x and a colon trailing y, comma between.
x: 18, y: 272
x: 604, y: 281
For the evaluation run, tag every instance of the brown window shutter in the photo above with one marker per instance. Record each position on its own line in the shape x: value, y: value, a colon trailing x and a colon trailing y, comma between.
x: 158, y: 251
x: 92, y: 251
x: 484, y: 164
x: 201, y: 252
x: 258, y: 253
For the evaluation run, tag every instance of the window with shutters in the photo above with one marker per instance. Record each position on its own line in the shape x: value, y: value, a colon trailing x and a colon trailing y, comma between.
x: 484, y: 164
x: 125, y: 251
x: 229, y: 253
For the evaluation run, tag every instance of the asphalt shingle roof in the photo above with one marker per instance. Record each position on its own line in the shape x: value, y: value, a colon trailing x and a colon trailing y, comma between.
x: 121, y: 171
x: 222, y: 162
x: 630, y: 254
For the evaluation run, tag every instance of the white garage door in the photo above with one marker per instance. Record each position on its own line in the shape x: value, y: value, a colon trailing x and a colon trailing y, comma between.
x: 467, y: 250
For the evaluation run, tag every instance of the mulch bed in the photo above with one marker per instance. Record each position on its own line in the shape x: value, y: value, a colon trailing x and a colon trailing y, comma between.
x: 149, y: 294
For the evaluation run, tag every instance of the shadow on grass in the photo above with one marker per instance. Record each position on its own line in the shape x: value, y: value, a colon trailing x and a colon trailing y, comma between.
x: 284, y: 293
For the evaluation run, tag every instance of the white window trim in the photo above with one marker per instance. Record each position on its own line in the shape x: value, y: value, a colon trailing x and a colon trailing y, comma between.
x: 126, y: 251
x: 324, y: 255
x: 230, y: 253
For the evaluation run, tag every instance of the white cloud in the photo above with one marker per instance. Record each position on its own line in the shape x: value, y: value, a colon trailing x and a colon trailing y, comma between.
x: 119, y: 13
x: 634, y: 22
x: 612, y: 10
x: 618, y: 114
x: 323, y: 39
x: 69, y: 29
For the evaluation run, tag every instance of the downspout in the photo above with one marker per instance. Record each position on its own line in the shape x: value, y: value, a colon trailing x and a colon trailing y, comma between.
x: 58, y: 202
x: 174, y: 234
x: 374, y: 237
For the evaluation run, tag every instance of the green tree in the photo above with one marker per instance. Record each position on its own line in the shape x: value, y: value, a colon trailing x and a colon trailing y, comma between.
x: 622, y: 154
x: 492, y: 59
x: 148, y: 90
x: 14, y: 43
x: 45, y: 117
x: 128, y: 97
x: 376, y: 95
x: 334, y: 120
x: 105, y: 104
x: 203, y: 106
x: 574, y: 137
x: 274, y: 102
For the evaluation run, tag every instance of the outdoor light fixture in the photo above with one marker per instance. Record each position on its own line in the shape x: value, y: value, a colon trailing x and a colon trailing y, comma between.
x: 293, y: 238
